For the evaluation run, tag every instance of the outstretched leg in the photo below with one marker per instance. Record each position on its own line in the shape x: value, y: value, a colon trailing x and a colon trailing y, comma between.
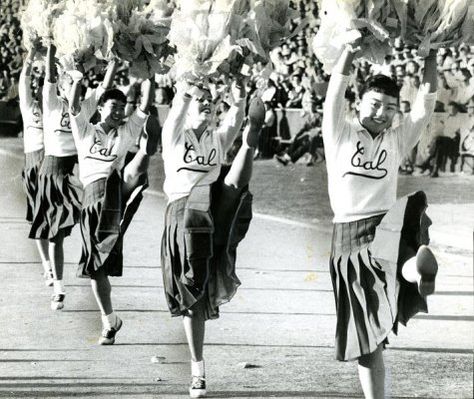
x: 241, y: 170
x: 138, y: 166
x: 372, y: 374
x: 134, y: 172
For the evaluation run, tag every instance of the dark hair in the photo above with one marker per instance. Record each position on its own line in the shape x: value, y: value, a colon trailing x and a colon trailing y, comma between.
x: 381, y: 84
x: 112, y: 94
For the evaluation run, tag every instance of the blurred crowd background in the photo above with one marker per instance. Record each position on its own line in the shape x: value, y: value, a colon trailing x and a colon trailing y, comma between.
x: 295, y: 91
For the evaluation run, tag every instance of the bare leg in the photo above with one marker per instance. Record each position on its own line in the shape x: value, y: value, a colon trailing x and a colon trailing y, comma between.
x: 241, y: 170
x: 43, y: 249
x: 102, y: 291
x: 42, y: 246
x: 194, y: 327
x: 134, y: 171
x: 372, y: 374
x: 56, y: 258
x: 56, y: 255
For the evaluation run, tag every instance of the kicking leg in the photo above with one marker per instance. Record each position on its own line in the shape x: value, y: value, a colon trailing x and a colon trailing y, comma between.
x: 102, y: 292
x: 241, y: 170
x: 138, y: 166
x: 372, y: 374
x: 134, y: 172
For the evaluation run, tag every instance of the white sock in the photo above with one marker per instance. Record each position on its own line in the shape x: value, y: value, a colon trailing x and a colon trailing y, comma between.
x: 109, y: 320
x: 409, y: 271
x: 47, y: 266
x: 197, y: 369
x: 58, y: 287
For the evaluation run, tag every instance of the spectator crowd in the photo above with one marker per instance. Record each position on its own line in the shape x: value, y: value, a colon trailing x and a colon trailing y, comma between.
x: 298, y: 81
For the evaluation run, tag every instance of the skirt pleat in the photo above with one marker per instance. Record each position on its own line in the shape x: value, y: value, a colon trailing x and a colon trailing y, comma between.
x: 57, y: 200
x: 30, y: 180
x: 220, y: 282
x: 370, y: 293
x: 105, y: 218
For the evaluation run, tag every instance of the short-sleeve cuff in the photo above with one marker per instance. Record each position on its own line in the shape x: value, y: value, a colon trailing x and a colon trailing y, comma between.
x: 140, y: 114
x: 339, y: 77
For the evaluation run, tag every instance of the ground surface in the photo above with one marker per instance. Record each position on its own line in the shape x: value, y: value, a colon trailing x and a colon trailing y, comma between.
x: 281, y: 320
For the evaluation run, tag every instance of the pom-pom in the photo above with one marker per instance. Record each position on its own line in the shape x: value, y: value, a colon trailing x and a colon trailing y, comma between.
x: 141, y: 39
x: 221, y: 37
x: 37, y: 20
x: 84, y: 33
x: 373, y: 22
x: 200, y: 30
x: 431, y: 24
x: 270, y: 23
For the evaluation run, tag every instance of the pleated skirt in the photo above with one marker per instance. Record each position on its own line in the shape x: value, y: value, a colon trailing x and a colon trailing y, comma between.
x: 30, y: 180
x: 370, y: 293
x: 105, y: 217
x: 213, y: 281
x: 57, y: 201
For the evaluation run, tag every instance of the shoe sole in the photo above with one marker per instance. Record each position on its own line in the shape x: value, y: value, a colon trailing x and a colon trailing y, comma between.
x: 110, y: 341
x: 427, y: 268
x: 197, y: 393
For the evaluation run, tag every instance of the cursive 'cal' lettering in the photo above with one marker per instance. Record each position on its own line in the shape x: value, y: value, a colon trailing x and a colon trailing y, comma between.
x: 364, y: 167
x: 101, y: 153
x: 190, y: 156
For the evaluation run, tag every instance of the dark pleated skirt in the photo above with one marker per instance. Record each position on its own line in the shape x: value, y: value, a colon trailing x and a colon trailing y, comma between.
x: 57, y: 202
x: 30, y: 180
x: 371, y: 295
x: 105, y: 218
x: 214, y: 279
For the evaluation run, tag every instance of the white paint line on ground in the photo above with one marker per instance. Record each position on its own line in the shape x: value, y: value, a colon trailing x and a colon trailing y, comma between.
x: 258, y: 215
x: 11, y: 154
x: 154, y: 193
x: 289, y: 222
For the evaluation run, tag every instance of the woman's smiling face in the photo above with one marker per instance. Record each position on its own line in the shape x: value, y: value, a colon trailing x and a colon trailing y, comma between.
x: 376, y: 111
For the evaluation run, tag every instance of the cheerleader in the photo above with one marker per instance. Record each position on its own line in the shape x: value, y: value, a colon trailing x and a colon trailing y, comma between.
x: 380, y: 266
x: 30, y: 106
x: 57, y: 203
x: 201, y: 236
x: 109, y: 194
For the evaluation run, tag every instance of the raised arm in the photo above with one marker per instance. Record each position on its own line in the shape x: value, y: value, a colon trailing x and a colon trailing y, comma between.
x: 334, y: 105
x: 423, y: 107
x: 430, y: 73
x: 24, y: 89
x: 176, y: 118
x: 50, y: 97
x: 89, y: 105
x: 234, y: 118
x: 75, y: 95
x: 50, y: 72
x: 110, y: 75
x: 147, y: 88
